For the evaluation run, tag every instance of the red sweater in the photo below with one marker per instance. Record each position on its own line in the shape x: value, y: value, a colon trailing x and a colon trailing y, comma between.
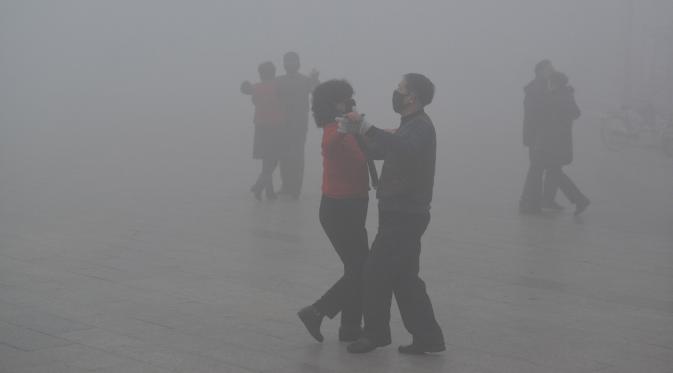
x: 268, y: 111
x: 345, y: 173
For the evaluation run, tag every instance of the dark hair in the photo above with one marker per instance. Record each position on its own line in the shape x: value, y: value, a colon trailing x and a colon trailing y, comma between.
x: 325, y: 98
x: 292, y: 57
x: 541, y: 66
x: 267, y: 70
x: 421, y: 86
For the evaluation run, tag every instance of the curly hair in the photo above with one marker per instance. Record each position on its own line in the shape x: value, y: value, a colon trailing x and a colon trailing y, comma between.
x: 325, y: 98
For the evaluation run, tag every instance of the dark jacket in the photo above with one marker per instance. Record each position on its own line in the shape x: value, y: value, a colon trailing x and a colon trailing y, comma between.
x: 533, y: 109
x: 408, y: 173
x: 294, y: 91
x: 553, y: 138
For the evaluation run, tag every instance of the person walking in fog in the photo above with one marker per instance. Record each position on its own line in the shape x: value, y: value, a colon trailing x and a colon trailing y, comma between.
x: 268, y: 121
x: 404, y: 192
x: 555, y: 144
x: 549, y: 111
x: 533, y: 118
x: 343, y: 211
x: 294, y: 89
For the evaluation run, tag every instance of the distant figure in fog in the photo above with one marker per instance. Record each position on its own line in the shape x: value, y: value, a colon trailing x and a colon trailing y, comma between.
x: 549, y: 111
x: 404, y: 193
x: 555, y: 143
x: 343, y: 211
x: 269, y: 119
x: 294, y: 89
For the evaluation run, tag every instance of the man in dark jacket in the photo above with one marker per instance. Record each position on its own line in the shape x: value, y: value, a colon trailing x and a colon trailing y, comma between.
x: 404, y: 193
x: 294, y: 89
x: 534, y: 117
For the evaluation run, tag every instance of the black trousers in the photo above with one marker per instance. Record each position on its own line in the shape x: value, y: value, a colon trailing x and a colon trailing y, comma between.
x: 532, y: 189
x: 344, y: 223
x: 556, y: 179
x: 542, y: 182
x: 392, y: 268
x: 265, y: 179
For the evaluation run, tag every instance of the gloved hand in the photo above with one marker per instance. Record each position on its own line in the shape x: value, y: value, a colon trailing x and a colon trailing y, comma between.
x: 363, y: 125
x: 347, y: 126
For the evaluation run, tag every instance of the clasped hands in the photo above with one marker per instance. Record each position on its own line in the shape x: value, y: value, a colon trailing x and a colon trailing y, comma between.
x: 354, y: 123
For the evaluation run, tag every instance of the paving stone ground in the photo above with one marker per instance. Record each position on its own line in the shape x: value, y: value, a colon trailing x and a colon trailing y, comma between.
x: 143, y: 251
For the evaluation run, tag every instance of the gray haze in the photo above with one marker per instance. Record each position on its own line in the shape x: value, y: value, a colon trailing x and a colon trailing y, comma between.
x: 129, y: 240
x: 138, y: 100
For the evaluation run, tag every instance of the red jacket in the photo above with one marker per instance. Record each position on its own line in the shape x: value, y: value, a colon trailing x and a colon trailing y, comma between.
x: 268, y: 109
x: 345, y: 173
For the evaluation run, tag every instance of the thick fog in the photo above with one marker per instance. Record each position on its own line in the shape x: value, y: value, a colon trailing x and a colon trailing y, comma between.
x: 130, y: 240
x: 123, y: 104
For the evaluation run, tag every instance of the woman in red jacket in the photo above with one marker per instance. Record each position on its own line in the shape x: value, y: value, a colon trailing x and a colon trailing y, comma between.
x: 343, y: 211
x: 268, y: 142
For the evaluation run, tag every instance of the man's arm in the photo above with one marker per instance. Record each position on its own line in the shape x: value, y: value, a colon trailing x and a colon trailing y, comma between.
x: 408, y: 144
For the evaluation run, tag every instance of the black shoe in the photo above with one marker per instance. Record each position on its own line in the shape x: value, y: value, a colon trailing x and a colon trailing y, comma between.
x: 257, y: 191
x: 552, y: 206
x: 362, y: 346
x: 529, y: 210
x: 271, y: 196
x: 312, y: 320
x: 421, y: 349
x: 349, y: 333
x: 581, y: 206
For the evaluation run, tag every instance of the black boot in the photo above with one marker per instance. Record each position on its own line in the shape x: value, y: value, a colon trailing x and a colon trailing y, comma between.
x: 553, y: 205
x: 257, y: 191
x: 312, y: 319
x: 362, y: 346
x: 416, y: 348
x: 582, y: 205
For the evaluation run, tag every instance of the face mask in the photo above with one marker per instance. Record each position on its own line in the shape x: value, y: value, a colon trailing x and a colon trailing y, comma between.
x: 398, y: 101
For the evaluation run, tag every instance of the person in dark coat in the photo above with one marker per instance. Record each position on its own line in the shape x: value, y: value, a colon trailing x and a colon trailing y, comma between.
x: 404, y: 192
x: 343, y: 211
x: 268, y: 120
x: 294, y: 89
x: 554, y: 143
x: 534, y: 118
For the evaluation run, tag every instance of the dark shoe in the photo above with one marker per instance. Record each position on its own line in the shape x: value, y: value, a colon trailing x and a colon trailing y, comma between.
x: 257, y: 191
x: 421, y: 349
x: 581, y: 206
x: 312, y: 320
x: 530, y: 210
x: 552, y: 206
x: 349, y: 333
x: 271, y: 196
x: 362, y: 346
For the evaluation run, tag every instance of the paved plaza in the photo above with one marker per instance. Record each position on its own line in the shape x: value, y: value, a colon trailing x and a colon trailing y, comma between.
x: 154, y: 257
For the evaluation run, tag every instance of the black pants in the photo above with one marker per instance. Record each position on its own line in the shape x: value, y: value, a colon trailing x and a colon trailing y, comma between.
x: 531, y: 197
x: 344, y: 223
x: 392, y: 268
x: 292, y: 163
x: 265, y: 179
x: 556, y: 179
